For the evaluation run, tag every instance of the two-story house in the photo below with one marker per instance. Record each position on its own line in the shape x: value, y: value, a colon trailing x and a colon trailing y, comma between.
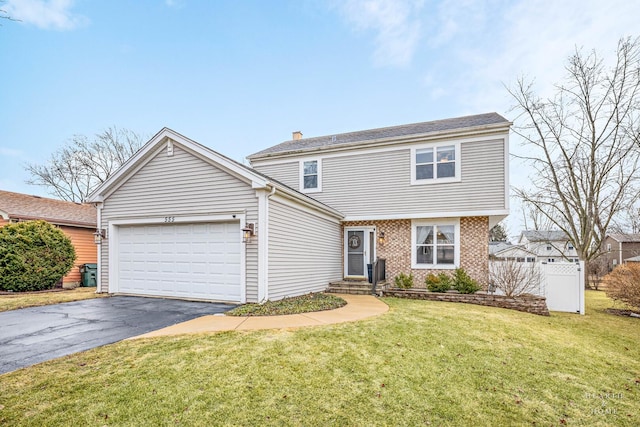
x: 541, y: 246
x: 618, y: 248
x: 182, y: 220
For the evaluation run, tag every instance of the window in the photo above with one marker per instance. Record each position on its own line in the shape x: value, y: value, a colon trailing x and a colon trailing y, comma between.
x: 608, y: 247
x: 570, y: 246
x: 548, y: 247
x: 435, y: 164
x: 310, y: 176
x: 531, y: 259
x: 435, y: 244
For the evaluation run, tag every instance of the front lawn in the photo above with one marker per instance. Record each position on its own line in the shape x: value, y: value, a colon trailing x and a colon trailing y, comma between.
x: 422, y: 363
x: 36, y: 299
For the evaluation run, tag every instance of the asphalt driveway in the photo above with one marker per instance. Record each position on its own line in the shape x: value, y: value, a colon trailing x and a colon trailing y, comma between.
x: 33, y: 335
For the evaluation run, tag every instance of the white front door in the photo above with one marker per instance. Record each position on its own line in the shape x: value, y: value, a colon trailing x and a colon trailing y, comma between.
x: 359, y: 248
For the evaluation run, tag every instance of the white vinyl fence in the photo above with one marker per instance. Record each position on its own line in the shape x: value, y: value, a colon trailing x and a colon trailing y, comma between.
x: 561, y: 283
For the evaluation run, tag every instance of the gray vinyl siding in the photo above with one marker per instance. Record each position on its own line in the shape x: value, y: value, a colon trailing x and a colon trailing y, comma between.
x: 182, y: 185
x: 379, y: 183
x: 302, y: 258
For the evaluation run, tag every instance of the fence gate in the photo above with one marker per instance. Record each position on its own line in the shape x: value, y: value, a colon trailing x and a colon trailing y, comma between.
x: 564, y: 286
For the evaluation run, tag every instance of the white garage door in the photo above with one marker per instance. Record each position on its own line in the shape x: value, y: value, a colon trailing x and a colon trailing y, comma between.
x: 200, y: 260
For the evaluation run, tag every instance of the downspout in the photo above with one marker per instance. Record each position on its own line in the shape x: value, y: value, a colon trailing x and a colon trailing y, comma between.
x: 620, y: 253
x: 266, y: 242
x: 98, y: 206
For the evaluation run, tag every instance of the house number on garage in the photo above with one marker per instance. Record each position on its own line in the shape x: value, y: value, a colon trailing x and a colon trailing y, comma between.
x: 169, y: 219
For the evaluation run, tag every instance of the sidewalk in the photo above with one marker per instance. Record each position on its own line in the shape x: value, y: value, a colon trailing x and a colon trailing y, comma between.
x: 358, y: 307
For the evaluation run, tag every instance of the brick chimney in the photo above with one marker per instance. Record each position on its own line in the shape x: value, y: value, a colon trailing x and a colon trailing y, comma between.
x: 297, y: 135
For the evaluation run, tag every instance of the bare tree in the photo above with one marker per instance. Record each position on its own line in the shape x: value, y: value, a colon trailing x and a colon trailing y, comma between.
x: 77, y: 168
x: 515, y: 278
x: 534, y: 219
x: 597, y: 268
x: 4, y: 14
x: 584, y: 145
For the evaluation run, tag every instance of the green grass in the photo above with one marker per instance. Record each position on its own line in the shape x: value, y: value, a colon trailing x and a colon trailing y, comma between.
x: 422, y: 363
x: 294, y: 305
x: 36, y: 299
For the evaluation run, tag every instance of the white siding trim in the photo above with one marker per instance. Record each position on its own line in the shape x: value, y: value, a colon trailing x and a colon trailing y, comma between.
x: 263, y: 242
x: 114, y: 286
x: 458, y: 164
x: 425, y: 215
x: 507, y: 198
x: 456, y: 254
x: 99, y: 260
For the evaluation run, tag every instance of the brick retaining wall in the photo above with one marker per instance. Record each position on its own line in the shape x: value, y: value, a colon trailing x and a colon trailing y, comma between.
x: 528, y: 304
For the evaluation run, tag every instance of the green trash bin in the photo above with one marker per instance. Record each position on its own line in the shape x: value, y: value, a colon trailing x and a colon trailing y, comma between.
x: 89, y: 273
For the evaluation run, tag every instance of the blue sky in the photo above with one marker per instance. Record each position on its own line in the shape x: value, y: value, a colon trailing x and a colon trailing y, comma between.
x: 239, y: 76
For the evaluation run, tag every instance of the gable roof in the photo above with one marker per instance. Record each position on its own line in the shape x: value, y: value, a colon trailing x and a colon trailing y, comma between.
x: 59, y: 212
x: 246, y: 173
x: 625, y: 237
x: 498, y: 246
x: 518, y: 249
x: 545, y: 236
x: 457, y: 124
x: 633, y: 259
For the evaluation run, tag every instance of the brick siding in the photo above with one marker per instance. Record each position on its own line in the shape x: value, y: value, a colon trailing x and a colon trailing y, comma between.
x: 396, y: 249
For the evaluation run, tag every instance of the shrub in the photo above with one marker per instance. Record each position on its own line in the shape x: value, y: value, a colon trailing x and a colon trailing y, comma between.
x: 403, y: 281
x: 463, y: 283
x: 34, y: 255
x: 515, y: 278
x: 439, y: 283
x: 623, y: 284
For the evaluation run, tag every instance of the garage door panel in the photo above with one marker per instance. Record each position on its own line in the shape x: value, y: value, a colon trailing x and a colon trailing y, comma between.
x: 183, y: 260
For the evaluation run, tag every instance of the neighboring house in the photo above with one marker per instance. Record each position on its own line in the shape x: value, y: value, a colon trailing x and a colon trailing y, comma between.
x: 422, y: 196
x: 497, y: 247
x: 76, y: 220
x: 619, y: 247
x: 548, y: 245
x: 517, y: 253
x: 633, y: 259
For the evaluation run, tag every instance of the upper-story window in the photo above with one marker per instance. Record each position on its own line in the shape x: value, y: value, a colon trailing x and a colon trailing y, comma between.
x: 310, y: 176
x: 433, y: 164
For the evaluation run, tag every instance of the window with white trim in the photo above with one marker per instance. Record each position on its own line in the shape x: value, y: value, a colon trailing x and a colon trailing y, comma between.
x: 435, y: 244
x: 310, y: 175
x: 440, y: 163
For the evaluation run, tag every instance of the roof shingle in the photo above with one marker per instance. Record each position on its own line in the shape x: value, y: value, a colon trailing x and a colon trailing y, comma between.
x: 27, y: 207
x: 423, y: 128
x: 625, y: 237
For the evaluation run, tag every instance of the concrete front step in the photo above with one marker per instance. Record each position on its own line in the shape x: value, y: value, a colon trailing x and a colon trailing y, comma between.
x: 352, y: 287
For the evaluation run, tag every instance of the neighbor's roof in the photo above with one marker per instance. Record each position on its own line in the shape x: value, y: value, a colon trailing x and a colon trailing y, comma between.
x: 633, y: 259
x: 60, y: 212
x: 545, y: 235
x: 625, y: 237
x: 424, y: 128
x: 498, y: 246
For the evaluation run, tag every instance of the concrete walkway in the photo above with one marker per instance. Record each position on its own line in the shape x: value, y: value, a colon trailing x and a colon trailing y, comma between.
x: 358, y: 307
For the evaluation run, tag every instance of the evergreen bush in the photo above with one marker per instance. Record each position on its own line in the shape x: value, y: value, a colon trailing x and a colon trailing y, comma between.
x: 34, y: 255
